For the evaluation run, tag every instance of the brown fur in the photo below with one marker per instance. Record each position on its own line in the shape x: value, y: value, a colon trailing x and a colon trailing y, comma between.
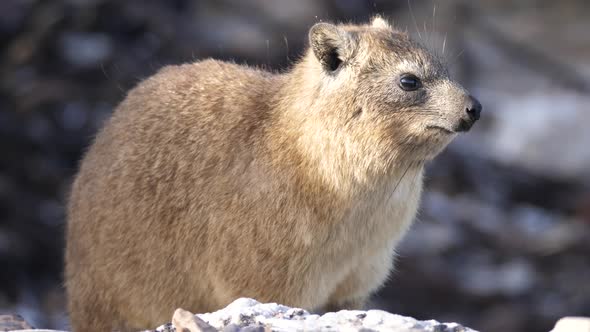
x: 214, y: 181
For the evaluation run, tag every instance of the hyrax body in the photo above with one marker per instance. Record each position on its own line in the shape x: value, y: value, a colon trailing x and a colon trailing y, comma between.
x: 214, y: 181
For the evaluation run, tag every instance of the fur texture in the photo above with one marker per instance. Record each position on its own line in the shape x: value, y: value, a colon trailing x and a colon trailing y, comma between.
x: 213, y: 181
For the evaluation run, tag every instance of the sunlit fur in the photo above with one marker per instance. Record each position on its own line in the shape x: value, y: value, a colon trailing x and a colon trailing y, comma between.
x: 214, y: 181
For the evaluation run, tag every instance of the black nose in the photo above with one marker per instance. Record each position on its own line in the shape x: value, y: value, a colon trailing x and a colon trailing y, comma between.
x: 473, y: 109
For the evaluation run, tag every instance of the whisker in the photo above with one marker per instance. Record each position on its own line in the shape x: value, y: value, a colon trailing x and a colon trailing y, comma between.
x: 422, y: 110
x: 433, y: 113
x: 287, y: 46
x: 414, y: 19
x: 417, y: 113
x: 434, y: 17
x: 399, y: 181
x: 433, y: 14
x: 456, y: 58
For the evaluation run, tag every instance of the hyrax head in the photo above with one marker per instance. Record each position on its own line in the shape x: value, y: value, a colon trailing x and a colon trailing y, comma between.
x: 398, y: 100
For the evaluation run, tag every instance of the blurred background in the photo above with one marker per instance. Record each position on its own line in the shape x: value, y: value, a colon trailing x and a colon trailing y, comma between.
x: 503, y: 237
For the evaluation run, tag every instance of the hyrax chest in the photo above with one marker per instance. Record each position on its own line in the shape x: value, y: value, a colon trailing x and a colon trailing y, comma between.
x: 370, y: 231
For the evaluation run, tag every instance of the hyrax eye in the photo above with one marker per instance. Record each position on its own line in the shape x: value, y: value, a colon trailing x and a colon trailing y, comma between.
x: 409, y: 82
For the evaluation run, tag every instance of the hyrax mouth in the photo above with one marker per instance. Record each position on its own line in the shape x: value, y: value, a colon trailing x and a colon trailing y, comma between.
x: 442, y: 129
x: 464, y: 120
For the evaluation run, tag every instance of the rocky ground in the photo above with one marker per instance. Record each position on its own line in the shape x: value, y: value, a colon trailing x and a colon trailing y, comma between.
x: 249, y: 315
x: 503, y: 238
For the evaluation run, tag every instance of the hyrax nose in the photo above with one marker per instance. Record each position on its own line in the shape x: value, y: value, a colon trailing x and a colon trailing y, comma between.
x: 472, y: 113
x: 473, y: 109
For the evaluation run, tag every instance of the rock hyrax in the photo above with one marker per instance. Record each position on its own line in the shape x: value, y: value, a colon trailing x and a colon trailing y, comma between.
x: 213, y: 181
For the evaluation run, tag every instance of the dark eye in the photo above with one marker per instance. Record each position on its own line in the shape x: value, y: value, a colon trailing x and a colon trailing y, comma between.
x: 409, y: 82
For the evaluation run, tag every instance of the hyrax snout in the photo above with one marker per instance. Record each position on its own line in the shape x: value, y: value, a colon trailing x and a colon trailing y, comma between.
x: 213, y: 181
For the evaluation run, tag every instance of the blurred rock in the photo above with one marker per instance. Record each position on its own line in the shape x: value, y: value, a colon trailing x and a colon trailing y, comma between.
x: 74, y: 116
x: 13, y: 322
x: 431, y: 238
x: 12, y: 15
x: 512, y: 278
x: 544, y: 131
x: 292, y: 13
x: 535, y: 115
x: 546, y: 232
x: 85, y: 50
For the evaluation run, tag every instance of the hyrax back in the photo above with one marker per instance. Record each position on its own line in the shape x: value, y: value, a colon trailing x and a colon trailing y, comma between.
x: 214, y: 181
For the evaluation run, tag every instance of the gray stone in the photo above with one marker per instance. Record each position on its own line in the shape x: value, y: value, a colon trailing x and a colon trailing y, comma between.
x: 183, y: 320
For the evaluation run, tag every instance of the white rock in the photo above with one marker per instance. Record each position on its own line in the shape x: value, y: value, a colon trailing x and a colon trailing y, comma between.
x: 246, y: 312
x: 572, y: 324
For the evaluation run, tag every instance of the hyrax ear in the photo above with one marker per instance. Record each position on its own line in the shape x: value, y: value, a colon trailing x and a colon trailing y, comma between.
x: 331, y: 45
x: 380, y: 22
